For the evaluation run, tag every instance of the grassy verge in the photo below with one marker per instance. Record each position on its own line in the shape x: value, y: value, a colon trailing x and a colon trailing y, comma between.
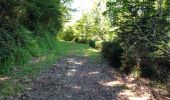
x: 76, y: 49
x: 20, y: 77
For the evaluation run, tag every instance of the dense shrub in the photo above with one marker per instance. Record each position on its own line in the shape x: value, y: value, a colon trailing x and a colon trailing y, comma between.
x: 18, y: 52
x: 95, y: 44
x: 112, y: 51
x: 81, y: 40
x: 148, y: 72
x: 92, y: 43
x: 28, y: 29
x: 68, y: 34
x: 22, y: 56
x: 163, y: 68
x: 144, y: 36
x: 98, y: 45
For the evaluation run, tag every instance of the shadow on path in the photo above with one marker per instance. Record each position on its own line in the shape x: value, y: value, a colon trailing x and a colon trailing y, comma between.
x: 77, y: 78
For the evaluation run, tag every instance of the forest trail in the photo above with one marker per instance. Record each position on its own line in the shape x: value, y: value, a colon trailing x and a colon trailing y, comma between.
x: 78, y: 78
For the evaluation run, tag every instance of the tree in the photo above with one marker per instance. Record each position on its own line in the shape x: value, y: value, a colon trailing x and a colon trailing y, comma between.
x: 142, y: 29
x: 94, y: 23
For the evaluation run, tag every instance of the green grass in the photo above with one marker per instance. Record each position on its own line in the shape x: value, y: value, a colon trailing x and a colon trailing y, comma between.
x: 76, y: 49
x: 20, y: 77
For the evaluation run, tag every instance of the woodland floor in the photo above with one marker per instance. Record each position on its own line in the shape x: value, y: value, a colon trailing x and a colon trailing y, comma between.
x: 81, y: 78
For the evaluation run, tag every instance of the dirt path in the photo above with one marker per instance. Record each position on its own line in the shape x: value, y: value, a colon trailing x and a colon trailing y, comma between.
x: 77, y: 78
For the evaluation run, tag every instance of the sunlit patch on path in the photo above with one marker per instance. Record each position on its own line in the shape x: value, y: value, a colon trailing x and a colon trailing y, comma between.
x: 77, y: 78
x: 3, y: 78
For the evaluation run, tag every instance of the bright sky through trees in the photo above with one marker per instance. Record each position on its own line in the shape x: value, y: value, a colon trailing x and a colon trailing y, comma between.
x: 81, y: 6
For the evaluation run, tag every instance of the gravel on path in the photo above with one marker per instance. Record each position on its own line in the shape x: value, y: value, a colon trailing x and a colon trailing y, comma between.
x: 78, y: 78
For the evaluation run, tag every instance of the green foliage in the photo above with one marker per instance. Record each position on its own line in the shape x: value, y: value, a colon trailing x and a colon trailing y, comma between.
x: 113, y: 52
x: 28, y: 29
x: 92, y: 43
x: 21, y: 55
x: 91, y: 26
x: 81, y: 39
x: 136, y: 72
x: 96, y: 44
x: 143, y: 29
x: 68, y: 34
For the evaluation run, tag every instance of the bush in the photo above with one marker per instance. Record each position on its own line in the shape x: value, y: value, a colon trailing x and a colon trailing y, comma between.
x: 98, y: 45
x: 148, y: 72
x: 92, y: 43
x: 81, y: 40
x: 68, y: 34
x: 112, y: 51
x: 163, y: 68
x: 95, y: 44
